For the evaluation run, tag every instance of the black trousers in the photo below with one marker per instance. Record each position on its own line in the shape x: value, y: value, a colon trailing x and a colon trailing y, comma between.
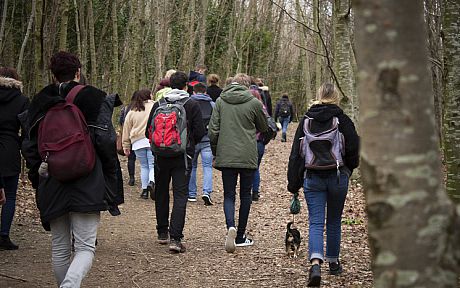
x: 131, y: 164
x: 167, y: 169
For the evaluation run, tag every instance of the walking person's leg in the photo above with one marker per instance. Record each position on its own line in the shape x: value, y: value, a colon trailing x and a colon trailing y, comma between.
x: 192, y: 189
x: 256, y: 178
x: 141, y: 154
x: 284, y: 124
x: 229, y: 180
x: 151, y: 165
x: 131, y: 167
x: 246, y: 176
x: 163, y: 177
x: 84, y: 228
x: 8, y: 209
x: 206, y: 160
x: 60, y: 246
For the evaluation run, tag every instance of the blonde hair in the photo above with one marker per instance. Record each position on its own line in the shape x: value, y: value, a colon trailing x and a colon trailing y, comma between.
x: 327, y: 94
x: 169, y: 73
x: 213, y: 79
x: 242, y: 79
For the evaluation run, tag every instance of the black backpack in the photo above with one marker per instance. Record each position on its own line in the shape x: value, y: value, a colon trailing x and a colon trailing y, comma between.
x: 285, y: 109
x: 206, y: 112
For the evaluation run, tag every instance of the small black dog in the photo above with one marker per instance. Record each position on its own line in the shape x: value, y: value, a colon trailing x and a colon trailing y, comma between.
x: 292, y: 241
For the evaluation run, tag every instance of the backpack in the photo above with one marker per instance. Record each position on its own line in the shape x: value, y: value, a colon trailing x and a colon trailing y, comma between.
x: 161, y: 93
x: 206, y: 112
x: 322, y: 150
x: 64, y: 142
x: 168, y: 129
x: 285, y: 109
x: 272, y: 131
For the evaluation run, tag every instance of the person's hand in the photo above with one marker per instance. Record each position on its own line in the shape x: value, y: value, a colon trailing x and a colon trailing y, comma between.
x: 127, y: 151
x: 2, y: 196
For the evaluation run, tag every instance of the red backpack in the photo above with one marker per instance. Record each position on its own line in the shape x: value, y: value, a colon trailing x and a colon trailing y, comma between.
x: 64, y: 141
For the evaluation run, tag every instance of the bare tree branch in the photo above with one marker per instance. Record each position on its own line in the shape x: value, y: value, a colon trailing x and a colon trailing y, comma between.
x: 309, y: 50
x: 293, y: 18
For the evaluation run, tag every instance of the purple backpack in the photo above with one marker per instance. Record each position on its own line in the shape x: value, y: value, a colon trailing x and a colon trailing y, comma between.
x: 322, y: 150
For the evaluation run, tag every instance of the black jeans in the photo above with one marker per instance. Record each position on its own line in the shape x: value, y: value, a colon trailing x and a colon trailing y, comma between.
x: 131, y: 164
x: 11, y: 188
x: 167, y: 168
x: 229, y: 179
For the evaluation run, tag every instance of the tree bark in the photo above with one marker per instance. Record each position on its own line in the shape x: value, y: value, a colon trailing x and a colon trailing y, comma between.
x: 26, y: 37
x: 413, y: 226
x: 202, y: 38
x: 64, y: 25
x: 114, y: 78
x: 92, y: 44
x: 2, y: 26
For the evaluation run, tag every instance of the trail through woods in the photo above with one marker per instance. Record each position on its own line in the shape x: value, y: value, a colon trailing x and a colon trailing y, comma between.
x: 128, y: 256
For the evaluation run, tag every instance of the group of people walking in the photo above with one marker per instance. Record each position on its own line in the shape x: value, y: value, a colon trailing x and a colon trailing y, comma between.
x: 166, y: 130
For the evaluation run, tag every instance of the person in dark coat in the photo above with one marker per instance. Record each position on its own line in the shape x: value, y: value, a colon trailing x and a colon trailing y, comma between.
x: 73, y: 208
x: 213, y: 89
x: 284, y: 111
x: 12, y: 103
x: 324, y: 189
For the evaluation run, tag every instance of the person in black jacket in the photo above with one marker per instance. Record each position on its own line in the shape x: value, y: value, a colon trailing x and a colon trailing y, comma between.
x: 284, y: 111
x: 175, y: 167
x: 12, y: 103
x: 73, y: 208
x: 213, y: 89
x: 324, y: 188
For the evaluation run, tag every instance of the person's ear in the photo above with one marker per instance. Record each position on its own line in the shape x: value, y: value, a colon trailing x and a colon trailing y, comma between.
x: 77, y: 75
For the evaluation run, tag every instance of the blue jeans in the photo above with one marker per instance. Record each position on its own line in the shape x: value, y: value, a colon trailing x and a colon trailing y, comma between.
x: 256, y: 179
x: 11, y: 188
x: 206, y: 160
x: 321, y: 192
x: 229, y: 179
x: 146, y: 160
x: 284, y: 123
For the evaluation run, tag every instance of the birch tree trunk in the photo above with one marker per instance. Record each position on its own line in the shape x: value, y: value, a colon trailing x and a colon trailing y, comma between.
x: 26, y: 37
x: 92, y: 45
x: 319, y: 46
x: 64, y: 25
x: 413, y: 226
x: 451, y: 121
x: 202, y: 39
x: 77, y: 29
x: 114, y: 78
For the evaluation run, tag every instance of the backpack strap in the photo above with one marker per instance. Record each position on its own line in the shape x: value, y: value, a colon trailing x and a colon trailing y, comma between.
x: 73, y: 93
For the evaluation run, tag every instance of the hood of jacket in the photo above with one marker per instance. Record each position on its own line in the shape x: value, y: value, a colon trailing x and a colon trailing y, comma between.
x: 9, y: 88
x: 176, y: 94
x: 324, y: 112
x: 165, y: 82
x: 196, y: 76
x: 236, y: 94
x: 201, y: 97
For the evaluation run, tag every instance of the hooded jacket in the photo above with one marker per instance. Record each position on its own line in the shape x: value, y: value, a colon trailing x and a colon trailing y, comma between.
x: 196, y: 76
x: 195, y: 127
x: 278, y: 107
x: 12, y: 103
x: 204, y: 99
x: 214, y: 92
x: 232, y: 129
x: 102, y: 189
x: 323, y: 116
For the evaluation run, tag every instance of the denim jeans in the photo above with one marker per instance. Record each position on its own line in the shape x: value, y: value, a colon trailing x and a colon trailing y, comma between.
x: 284, y: 123
x: 325, y: 192
x: 11, y: 188
x: 203, y: 148
x: 229, y: 179
x: 83, y: 226
x: 146, y: 160
x: 256, y: 178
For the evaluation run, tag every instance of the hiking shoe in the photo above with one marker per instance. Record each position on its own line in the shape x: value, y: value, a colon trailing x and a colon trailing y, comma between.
x: 207, y: 200
x: 163, y: 238
x: 255, y: 196
x: 314, y: 276
x: 191, y: 199
x: 145, y: 194
x: 151, y: 189
x: 7, y: 244
x: 176, y: 246
x: 131, y: 181
x: 230, y: 245
x: 335, y: 268
x: 245, y: 242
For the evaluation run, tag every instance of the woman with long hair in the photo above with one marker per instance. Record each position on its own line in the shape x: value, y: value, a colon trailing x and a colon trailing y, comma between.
x: 134, y: 138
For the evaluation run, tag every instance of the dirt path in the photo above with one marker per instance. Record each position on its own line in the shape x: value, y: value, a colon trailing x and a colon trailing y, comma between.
x: 128, y: 255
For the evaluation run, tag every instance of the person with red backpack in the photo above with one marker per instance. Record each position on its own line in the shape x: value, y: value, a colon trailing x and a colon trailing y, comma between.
x: 70, y: 151
x: 174, y: 127
x: 324, y: 153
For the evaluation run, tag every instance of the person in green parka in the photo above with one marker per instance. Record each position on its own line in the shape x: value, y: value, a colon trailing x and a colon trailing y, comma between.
x: 235, y: 119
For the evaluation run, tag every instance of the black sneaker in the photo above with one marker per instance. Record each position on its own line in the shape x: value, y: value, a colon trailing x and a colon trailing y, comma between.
x: 176, y: 246
x: 335, y: 268
x: 314, y: 276
x: 163, y: 238
x: 244, y: 242
x: 145, y: 194
x: 131, y: 181
x: 151, y: 189
x: 7, y: 244
x: 255, y: 196
x: 207, y: 200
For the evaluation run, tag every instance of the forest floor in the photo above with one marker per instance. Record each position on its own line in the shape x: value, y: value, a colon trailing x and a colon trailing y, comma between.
x: 129, y: 256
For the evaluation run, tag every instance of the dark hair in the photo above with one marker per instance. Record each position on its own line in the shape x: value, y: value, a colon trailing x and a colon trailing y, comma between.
x: 199, y: 88
x: 64, y: 66
x: 178, y: 80
x: 9, y: 72
x: 285, y: 96
x: 137, y: 101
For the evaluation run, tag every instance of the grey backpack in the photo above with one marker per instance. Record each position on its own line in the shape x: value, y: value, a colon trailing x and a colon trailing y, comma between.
x: 322, y: 150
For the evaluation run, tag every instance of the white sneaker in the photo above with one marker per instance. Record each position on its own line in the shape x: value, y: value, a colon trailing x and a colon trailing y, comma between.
x: 191, y: 199
x: 246, y: 242
x: 230, y: 245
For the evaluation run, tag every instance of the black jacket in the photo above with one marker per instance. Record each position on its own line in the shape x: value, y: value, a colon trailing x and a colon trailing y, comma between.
x: 102, y: 189
x: 323, y: 114
x: 278, y: 106
x: 12, y: 103
x: 214, y: 92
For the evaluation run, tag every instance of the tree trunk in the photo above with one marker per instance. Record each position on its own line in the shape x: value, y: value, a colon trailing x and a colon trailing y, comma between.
x: 451, y: 121
x: 202, y: 45
x: 413, y: 226
x: 92, y: 44
x: 64, y: 25
x: 114, y: 78
x: 26, y: 37
x: 77, y: 29
x: 319, y: 47
x: 2, y: 26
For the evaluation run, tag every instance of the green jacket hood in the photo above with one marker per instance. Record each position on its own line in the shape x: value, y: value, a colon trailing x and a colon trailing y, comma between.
x: 236, y: 94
